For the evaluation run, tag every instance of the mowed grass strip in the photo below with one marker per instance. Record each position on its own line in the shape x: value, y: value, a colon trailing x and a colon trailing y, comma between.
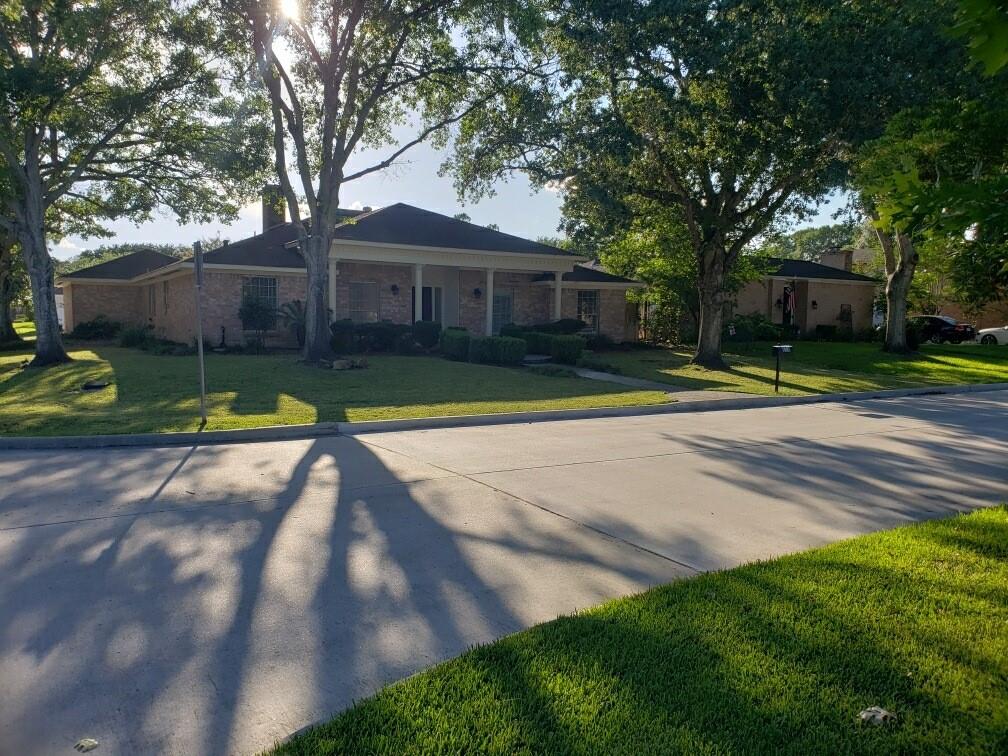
x: 773, y: 657
x: 817, y: 367
x: 153, y: 393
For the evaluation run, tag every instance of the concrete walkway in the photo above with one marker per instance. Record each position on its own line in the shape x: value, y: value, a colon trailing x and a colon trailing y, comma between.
x: 214, y: 599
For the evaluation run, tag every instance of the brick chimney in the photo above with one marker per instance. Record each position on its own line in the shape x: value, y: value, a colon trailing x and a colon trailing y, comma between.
x: 274, y: 207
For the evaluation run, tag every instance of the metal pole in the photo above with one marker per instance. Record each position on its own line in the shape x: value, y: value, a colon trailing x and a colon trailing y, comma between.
x: 776, y: 383
x: 198, y: 276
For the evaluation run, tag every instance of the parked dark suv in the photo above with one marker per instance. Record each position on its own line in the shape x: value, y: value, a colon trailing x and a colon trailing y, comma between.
x: 941, y: 328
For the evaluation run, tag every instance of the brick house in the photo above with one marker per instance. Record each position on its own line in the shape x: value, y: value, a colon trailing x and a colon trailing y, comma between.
x: 807, y: 294
x: 466, y: 275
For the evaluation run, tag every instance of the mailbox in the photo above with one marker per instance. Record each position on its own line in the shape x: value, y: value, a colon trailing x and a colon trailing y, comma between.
x: 778, y: 350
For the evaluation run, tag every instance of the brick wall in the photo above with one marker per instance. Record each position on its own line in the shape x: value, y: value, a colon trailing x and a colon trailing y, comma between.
x: 613, y: 312
x: 391, y: 306
x: 118, y: 302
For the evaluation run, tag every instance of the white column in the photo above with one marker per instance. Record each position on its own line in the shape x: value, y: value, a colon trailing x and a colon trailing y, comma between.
x: 489, y: 301
x: 418, y: 289
x: 557, y: 294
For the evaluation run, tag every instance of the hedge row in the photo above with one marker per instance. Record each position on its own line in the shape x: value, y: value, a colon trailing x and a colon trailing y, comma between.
x: 349, y: 337
x: 561, y: 347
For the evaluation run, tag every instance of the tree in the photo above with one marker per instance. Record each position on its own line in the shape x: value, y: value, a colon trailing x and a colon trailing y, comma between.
x: 111, y: 108
x: 737, y: 113
x: 938, y: 178
x: 358, y: 70
x: 11, y: 281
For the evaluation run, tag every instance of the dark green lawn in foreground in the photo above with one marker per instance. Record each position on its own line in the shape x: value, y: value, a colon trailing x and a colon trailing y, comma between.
x: 772, y: 657
x: 817, y: 367
x: 161, y: 393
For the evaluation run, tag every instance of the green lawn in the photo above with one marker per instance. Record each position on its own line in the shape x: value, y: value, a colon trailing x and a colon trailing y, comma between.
x: 817, y: 367
x: 775, y: 657
x: 160, y: 393
x: 25, y: 329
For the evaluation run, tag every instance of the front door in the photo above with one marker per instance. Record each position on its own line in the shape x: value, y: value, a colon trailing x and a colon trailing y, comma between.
x: 430, y: 303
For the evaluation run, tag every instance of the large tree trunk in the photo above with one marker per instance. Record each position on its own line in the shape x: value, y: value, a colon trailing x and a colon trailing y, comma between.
x: 711, y: 284
x: 317, y: 334
x: 901, y: 262
x: 7, y: 332
x: 32, y: 236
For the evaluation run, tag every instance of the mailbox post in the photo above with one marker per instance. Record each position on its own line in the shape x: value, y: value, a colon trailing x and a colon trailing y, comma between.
x: 778, y: 350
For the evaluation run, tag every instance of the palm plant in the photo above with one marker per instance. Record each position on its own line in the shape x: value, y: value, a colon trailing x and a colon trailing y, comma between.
x: 292, y: 315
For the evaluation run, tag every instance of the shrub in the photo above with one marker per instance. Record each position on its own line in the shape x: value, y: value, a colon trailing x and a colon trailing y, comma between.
x: 567, y: 349
x: 138, y: 337
x: 99, y: 328
x: 455, y: 343
x: 510, y: 329
x: 342, y: 339
x: 497, y: 350
x: 564, y: 326
x: 599, y: 342
x: 382, y: 336
x: 426, y: 333
x: 538, y: 343
x: 826, y: 332
x: 755, y: 327
x: 292, y: 314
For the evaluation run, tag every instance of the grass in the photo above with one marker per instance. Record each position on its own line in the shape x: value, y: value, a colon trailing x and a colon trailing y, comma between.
x: 160, y: 393
x: 774, y: 657
x: 25, y: 329
x: 817, y: 367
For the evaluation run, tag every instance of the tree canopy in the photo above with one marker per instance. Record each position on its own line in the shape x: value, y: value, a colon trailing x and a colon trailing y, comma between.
x: 733, y: 115
x: 111, y: 108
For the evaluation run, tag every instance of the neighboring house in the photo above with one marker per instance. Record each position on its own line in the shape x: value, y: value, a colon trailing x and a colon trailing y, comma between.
x: 466, y: 275
x: 807, y: 294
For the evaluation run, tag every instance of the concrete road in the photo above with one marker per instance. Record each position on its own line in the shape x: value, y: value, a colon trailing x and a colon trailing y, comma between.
x: 215, y: 599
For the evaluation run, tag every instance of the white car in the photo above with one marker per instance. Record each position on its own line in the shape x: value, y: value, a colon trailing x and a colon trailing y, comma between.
x: 993, y: 335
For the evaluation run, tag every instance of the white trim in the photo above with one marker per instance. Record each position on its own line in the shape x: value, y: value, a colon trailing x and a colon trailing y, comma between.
x: 449, y: 257
x: 257, y: 269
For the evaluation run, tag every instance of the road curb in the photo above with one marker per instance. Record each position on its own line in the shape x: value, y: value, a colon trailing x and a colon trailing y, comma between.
x: 317, y: 430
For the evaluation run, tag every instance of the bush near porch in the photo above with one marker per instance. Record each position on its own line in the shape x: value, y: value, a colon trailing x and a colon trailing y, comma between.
x: 151, y: 393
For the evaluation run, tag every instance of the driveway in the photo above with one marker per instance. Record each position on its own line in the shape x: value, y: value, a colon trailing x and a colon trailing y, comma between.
x: 215, y: 599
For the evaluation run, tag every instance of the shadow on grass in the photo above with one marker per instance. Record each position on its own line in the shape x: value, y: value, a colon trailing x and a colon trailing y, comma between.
x: 771, y: 658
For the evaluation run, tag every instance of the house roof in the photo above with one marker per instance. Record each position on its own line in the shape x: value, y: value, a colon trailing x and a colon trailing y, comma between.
x: 267, y: 250
x: 126, y: 267
x: 786, y: 268
x: 407, y: 225
x: 397, y: 224
x: 589, y: 273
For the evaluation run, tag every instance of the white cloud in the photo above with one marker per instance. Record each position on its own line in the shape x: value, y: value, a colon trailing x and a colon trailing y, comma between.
x: 66, y: 245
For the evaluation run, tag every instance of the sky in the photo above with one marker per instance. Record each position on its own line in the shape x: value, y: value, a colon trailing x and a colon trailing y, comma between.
x: 515, y: 208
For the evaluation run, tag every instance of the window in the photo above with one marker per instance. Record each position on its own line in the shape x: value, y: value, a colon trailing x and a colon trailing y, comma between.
x: 262, y: 288
x: 364, y: 302
x: 587, y: 309
x: 164, y: 296
x: 151, y: 301
x: 503, y: 306
x: 846, y: 314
